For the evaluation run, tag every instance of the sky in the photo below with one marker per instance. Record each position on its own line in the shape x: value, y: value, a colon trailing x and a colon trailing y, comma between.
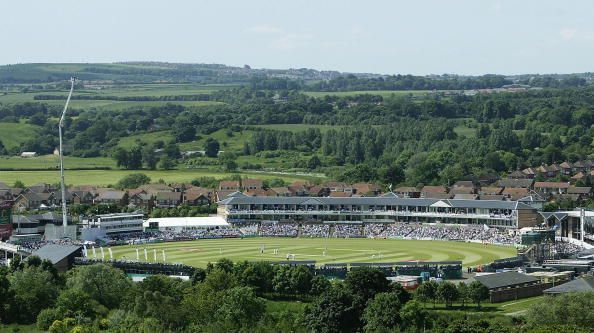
x: 389, y: 37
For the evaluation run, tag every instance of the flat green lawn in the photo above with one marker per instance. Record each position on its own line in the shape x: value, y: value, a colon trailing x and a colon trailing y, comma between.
x: 107, y: 177
x: 52, y: 162
x: 510, y: 308
x: 199, y: 253
x: 13, y: 134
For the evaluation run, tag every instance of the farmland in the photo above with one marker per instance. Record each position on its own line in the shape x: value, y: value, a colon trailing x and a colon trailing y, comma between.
x: 107, y: 177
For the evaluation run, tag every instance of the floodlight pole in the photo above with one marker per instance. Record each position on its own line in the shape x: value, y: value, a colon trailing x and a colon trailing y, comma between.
x: 63, y: 186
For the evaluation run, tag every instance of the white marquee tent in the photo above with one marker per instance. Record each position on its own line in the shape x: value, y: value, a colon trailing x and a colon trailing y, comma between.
x: 185, y: 223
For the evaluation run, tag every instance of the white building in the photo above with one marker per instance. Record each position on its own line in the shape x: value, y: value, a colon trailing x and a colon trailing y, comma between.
x: 179, y: 224
x: 28, y: 154
x: 116, y: 223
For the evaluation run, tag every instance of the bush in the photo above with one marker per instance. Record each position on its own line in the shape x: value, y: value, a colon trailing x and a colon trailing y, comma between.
x: 47, y: 317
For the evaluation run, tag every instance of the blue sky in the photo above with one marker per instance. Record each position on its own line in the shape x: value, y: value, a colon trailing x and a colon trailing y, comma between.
x: 416, y: 37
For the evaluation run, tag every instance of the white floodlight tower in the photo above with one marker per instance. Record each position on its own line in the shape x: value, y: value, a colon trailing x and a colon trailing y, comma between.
x: 63, y: 186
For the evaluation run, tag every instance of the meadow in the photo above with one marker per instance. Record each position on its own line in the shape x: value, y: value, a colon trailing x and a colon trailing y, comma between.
x: 200, y: 252
x: 52, y: 162
x: 14, y: 134
x: 110, y: 177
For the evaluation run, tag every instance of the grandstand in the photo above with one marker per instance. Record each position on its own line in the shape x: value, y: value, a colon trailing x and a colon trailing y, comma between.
x: 493, y: 213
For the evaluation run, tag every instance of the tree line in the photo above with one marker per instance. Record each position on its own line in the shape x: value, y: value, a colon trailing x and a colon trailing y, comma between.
x: 239, y: 297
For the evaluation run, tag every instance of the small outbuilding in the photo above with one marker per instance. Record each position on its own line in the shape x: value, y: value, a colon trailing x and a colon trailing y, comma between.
x: 509, y: 286
x: 26, y: 154
x: 579, y: 285
x: 62, y: 256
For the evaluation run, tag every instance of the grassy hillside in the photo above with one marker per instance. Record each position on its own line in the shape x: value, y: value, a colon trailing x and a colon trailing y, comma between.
x: 121, y: 72
x: 228, y: 143
x: 13, y: 135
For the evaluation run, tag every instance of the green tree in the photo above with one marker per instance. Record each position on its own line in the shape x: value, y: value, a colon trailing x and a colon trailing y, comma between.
x: 403, y: 295
x: 229, y: 160
x: 382, y: 313
x: 319, y: 285
x: 133, y: 180
x: 240, y: 307
x: 149, y: 158
x: 166, y: 163
x: 366, y: 282
x: 447, y: 292
x: 121, y: 157
x: 135, y: 158
x: 332, y: 312
x: 576, y: 309
x: 314, y: 162
x: 183, y: 131
x: 392, y: 174
x: 477, y: 292
x: 202, y: 301
x: 211, y: 147
x: 33, y: 289
x: 463, y: 293
x: 5, y: 294
x: 414, y: 315
x: 46, y: 318
x: 259, y: 276
x: 18, y: 184
x: 76, y: 303
x: 103, y: 283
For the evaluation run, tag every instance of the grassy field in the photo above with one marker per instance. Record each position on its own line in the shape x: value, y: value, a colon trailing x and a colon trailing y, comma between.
x: 13, y: 135
x: 52, y: 162
x: 199, y: 253
x: 135, y: 90
x: 107, y: 177
x: 101, y: 104
x: 227, y: 143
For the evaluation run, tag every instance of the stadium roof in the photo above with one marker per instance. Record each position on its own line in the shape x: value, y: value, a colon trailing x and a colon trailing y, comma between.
x: 583, y: 284
x: 56, y: 253
x: 505, y: 279
x: 388, y: 201
x: 203, y: 221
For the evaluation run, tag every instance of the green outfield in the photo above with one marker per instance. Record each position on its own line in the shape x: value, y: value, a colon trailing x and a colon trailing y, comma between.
x: 337, y: 250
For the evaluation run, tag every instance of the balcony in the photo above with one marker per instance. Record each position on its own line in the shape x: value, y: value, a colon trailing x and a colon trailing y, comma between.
x: 373, y: 212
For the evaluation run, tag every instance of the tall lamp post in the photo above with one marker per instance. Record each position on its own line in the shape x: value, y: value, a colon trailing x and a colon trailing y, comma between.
x: 63, y: 186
